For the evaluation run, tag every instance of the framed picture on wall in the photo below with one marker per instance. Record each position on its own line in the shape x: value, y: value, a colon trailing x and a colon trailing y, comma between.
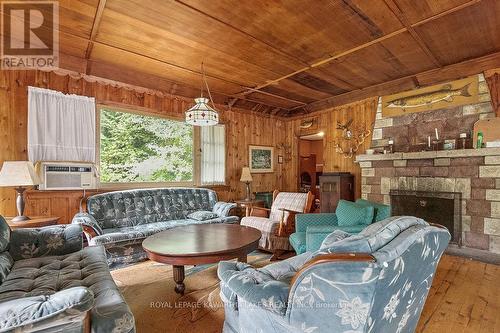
x: 261, y: 159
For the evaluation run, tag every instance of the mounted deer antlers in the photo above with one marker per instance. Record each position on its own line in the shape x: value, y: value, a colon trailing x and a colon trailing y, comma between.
x: 355, y: 138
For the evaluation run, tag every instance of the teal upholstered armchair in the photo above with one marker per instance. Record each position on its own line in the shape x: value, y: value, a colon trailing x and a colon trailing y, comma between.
x: 311, y: 229
x: 375, y: 281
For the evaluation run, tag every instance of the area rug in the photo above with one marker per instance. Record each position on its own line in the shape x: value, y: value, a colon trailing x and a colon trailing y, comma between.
x: 148, y: 288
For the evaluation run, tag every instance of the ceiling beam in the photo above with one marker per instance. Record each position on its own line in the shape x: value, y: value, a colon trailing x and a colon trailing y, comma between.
x: 426, y: 78
x: 359, y: 47
x: 400, y: 15
x: 93, y: 33
x: 277, y: 96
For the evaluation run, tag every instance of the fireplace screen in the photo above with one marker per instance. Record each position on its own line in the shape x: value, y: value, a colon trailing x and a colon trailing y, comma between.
x: 443, y: 208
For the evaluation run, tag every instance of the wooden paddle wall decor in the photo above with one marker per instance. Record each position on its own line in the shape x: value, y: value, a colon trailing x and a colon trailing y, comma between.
x: 439, y: 96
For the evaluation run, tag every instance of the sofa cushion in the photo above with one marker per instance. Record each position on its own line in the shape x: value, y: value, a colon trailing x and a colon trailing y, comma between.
x: 4, y: 234
x: 298, y: 242
x: 5, y: 257
x: 202, y: 215
x: 349, y: 214
x: 86, y: 268
x: 374, y: 236
x: 139, y: 232
x: 381, y: 211
x: 266, y: 226
x: 6, y: 263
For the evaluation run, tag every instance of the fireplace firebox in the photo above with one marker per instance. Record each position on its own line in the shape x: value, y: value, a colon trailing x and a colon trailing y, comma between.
x: 443, y: 208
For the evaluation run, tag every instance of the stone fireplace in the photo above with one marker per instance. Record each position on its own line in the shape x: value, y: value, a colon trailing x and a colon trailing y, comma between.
x: 471, y: 174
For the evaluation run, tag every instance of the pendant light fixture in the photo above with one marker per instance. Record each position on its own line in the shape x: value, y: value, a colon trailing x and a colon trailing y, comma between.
x: 201, y: 114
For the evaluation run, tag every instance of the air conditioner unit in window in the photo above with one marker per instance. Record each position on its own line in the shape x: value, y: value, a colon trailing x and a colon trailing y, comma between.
x: 67, y: 175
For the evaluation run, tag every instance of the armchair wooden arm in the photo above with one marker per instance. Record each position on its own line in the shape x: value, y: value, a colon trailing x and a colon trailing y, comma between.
x: 89, y: 232
x: 287, y: 225
x: 332, y: 257
x: 260, y: 212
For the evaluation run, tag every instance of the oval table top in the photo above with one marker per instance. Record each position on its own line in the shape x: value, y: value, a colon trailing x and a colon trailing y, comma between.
x: 202, y: 240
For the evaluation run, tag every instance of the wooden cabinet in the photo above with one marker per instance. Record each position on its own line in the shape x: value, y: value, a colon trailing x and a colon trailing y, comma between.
x: 333, y: 187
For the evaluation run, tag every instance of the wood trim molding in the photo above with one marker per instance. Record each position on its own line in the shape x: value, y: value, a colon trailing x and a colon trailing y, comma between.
x: 93, y: 33
x: 87, y: 322
x: 404, y: 20
x: 331, y: 258
x: 139, y: 89
x: 438, y: 226
x: 446, y: 73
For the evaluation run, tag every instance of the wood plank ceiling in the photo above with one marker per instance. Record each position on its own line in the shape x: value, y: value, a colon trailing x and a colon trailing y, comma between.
x: 283, y: 57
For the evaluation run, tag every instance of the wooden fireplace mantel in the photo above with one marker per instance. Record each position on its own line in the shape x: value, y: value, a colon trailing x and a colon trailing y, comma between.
x: 430, y: 154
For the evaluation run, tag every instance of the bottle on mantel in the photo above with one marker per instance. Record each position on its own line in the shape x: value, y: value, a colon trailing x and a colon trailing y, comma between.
x: 464, y: 141
x: 390, y: 149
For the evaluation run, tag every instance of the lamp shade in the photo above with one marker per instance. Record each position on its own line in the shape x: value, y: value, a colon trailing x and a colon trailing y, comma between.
x: 18, y: 173
x: 246, y: 176
x: 201, y: 114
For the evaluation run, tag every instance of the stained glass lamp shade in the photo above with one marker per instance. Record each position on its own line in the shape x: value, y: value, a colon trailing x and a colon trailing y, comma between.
x: 201, y: 114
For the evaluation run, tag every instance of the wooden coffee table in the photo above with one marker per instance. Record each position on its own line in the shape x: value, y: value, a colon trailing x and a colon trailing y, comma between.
x: 200, y: 244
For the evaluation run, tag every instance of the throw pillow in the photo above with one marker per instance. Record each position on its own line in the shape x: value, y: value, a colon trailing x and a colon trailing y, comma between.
x: 381, y: 211
x: 349, y: 214
x: 202, y: 215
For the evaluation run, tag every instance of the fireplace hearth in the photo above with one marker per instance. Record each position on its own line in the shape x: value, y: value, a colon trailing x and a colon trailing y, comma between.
x: 434, y: 207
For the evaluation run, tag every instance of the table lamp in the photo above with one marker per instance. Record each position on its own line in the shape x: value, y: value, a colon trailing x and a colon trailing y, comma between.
x: 19, y: 174
x: 246, y: 177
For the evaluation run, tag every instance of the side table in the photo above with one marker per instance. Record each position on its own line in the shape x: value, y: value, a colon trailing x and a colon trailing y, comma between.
x: 34, y: 222
x: 247, y: 205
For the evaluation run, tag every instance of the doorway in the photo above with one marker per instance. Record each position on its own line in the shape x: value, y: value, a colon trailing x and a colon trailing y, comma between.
x: 311, y: 165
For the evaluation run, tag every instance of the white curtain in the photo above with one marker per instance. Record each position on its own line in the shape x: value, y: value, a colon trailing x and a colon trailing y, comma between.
x: 213, y: 155
x: 60, y: 127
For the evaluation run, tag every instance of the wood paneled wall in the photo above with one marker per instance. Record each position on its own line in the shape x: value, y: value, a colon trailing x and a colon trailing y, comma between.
x: 362, y: 113
x: 243, y: 128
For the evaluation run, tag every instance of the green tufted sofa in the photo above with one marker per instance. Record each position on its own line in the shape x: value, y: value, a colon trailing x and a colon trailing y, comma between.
x: 312, y: 229
x: 49, y: 283
x: 121, y: 220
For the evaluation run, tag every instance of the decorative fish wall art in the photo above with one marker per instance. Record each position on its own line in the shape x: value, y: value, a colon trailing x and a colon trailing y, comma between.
x: 435, y: 97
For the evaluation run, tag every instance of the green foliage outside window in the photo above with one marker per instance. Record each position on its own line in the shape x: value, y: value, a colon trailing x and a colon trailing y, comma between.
x: 138, y: 148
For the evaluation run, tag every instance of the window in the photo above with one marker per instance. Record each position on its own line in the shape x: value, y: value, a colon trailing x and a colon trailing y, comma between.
x: 140, y: 148
x: 213, y: 155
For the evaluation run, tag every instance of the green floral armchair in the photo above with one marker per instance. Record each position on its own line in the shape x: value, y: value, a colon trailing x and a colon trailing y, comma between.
x: 49, y: 283
x: 375, y: 281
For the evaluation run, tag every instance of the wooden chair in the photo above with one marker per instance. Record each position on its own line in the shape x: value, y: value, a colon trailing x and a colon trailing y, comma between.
x: 278, y: 223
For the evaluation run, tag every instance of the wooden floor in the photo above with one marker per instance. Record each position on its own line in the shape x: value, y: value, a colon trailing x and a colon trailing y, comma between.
x: 465, y: 297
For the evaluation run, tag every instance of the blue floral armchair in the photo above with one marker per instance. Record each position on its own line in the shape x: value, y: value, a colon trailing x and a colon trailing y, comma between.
x: 375, y: 281
x: 49, y: 283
